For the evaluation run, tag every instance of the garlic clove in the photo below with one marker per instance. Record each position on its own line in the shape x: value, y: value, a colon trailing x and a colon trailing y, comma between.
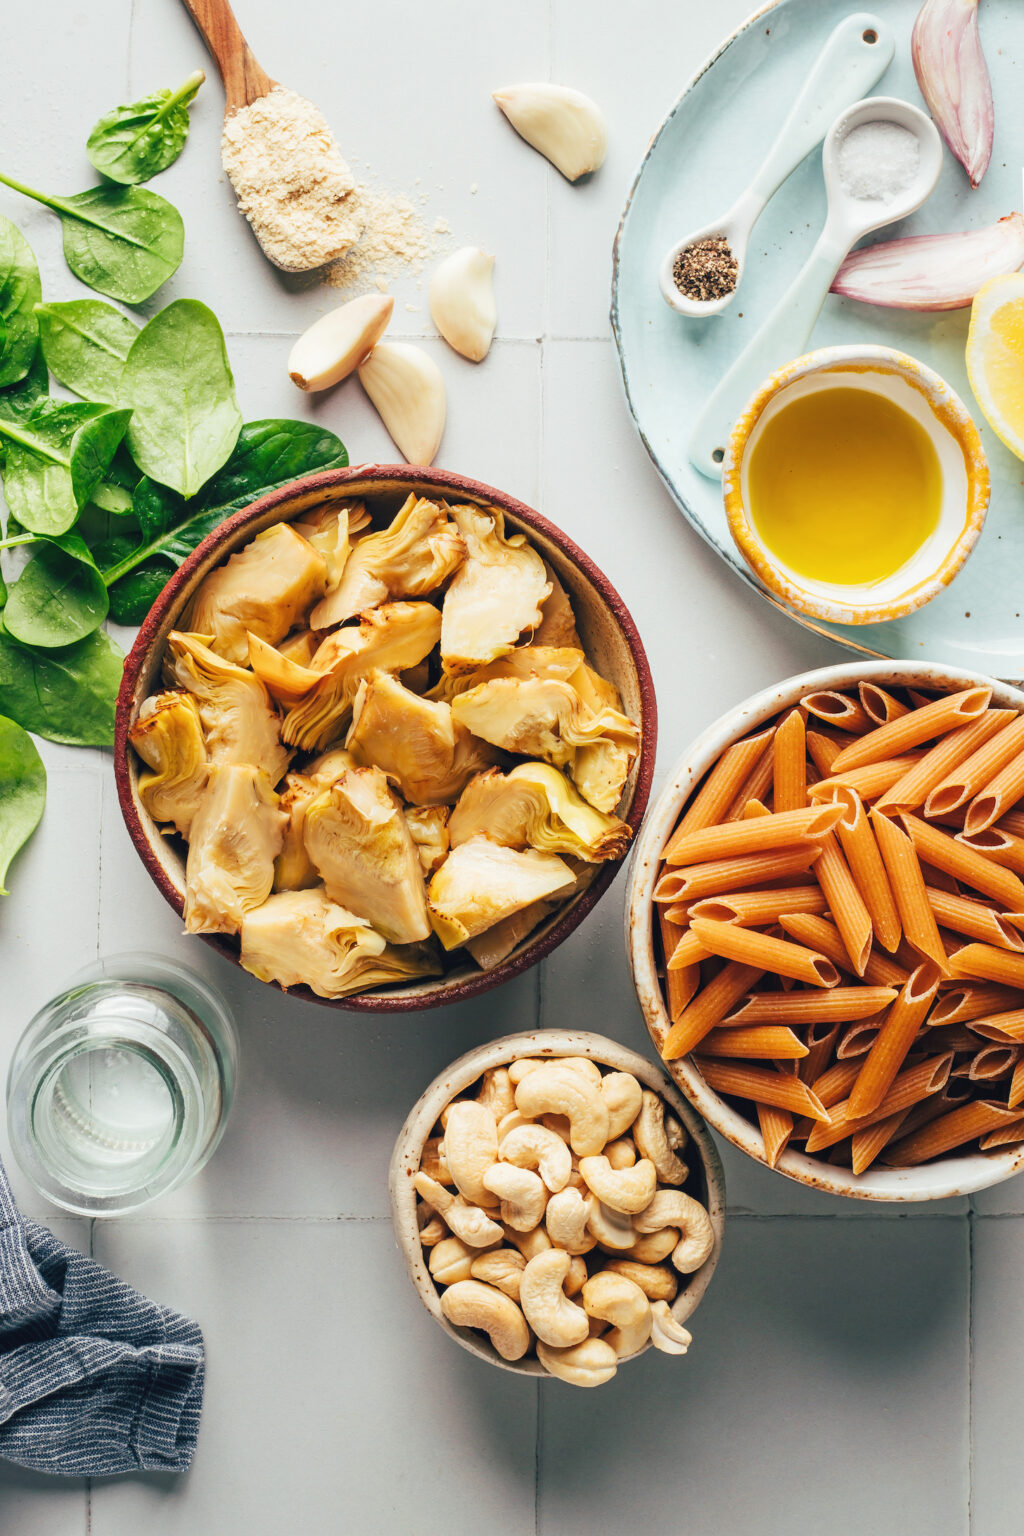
x: 407, y: 389
x: 462, y: 302
x: 953, y: 76
x: 562, y: 124
x: 335, y: 345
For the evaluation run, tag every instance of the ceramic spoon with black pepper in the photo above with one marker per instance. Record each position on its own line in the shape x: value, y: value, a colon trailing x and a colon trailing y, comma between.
x: 700, y: 275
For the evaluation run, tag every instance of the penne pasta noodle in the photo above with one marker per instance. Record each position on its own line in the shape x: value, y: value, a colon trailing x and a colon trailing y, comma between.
x: 971, y: 777
x: 763, y: 835
x: 717, y: 875
x: 914, y: 1083
x: 755, y: 786
x: 867, y: 1144
x: 718, y: 791
x: 746, y: 946
x: 992, y: 1062
x: 997, y: 797
x: 845, y: 903
x: 965, y: 864
x: 1012, y: 822
x: 1016, y: 1094
x: 817, y: 933
x: 776, y: 1130
x: 974, y: 919
x: 823, y: 749
x: 835, y: 1083
x: 709, y: 1005
x: 907, y: 884
x: 753, y: 909
x: 938, y: 879
x: 783, y: 1090
x: 894, y: 1039
x: 866, y: 870
x: 679, y: 985
x: 958, y: 1038
x: 949, y: 1131
x: 919, y: 699
x: 911, y: 729
x: 975, y: 1000
x: 837, y: 710
x: 839, y: 1006
x: 790, y: 763
x: 1007, y: 1026
x: 678, y: 914
x: 869, y: 782
x: 764, y: 1042
x: 688, y: 952
x: 820, y: 1040
x: 879, y: 706
x: 856, y: 1040
x: 993, y: 843
x: 948, y: 753
x: 754, y: 808
x: 1003, y: 1136
x: 983, y: 962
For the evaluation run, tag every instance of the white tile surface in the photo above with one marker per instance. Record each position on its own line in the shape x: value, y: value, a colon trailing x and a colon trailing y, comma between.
x: 998, y: 1360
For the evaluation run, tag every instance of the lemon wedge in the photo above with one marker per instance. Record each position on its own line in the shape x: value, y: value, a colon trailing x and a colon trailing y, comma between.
x: 995, y: 357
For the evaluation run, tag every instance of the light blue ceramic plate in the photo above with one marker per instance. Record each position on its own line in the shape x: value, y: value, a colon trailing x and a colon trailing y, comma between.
x: 704, y: 154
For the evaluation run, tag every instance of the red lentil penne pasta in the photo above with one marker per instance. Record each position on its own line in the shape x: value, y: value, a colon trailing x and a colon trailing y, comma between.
x: 834, y: 1084
x: 907, y: 884
x: 679, y: 985
x: 823, y: 749
x: 916, y: 1082
x: 1007, y: 1026
x: 948, y: 753
x: 965, y: 864
x: 972, y: 1000
x: 991, y: 1063
x: 747, y: 946
x: 993, y: 843
x: 879, y: 706
x: 958, y: 1038
x: 776, y: 1130
x: 838, y: 710
x: 971, y: 777
x: 717, y: 875
x: 1016, y: 1094
x: 755, y: 786
x: 857, y: 1039
x: 754, y: 808
x: 1012, y: 822
x: 688, y: 952
x: 709, y: 1005
x: 983, y: 962
x: 997, y: 797
x: 790, y: 763
x: 820, y: 1040
x: 782, y: 1089
x: 894, y: 1039
x: 949, y: 1131
x: 678, y: 915
x: 819, y: 934
x: 867, y: 1144
x: 764, y: 1042
x: 753, y: 909
x: 866, y: 869
x: 939, y: 880
x: 1003, y: 1136
x: 838, y: 1006
x: 974, y: 919
x: 719, y: 788
x: 869, y: 782
x: 911, y: 729
x: 845, y: 903
x: 765, y: 834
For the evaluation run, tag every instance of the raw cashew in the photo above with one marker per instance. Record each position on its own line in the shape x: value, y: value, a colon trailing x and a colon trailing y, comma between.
x: 534, y: 1146
x: 598, y: 1326
x: 624, y: 1189
x: 611, y: 1228
x: 527, y: 1064
x: 433, y: 1161
x: 509, y: 1123
x: 467, y: 1221
x: 522, y: 1195
x: 559, y: 1124
x: 652, y: 1247
x: 566, y: 1219
x: 470, y: 1148
x: 451, y: 1260
x: 675, y: 1134
x: 496, y: 1092
x: 576, y: 1279
x: 621, y: 1153
x: 626, y: 1341
x: 502, y: 1267
x: 589, y: 1364
x: 656, y: 1282
x: 529, y: 1243
x: 561, y: 1090
x: 652, y: 1141
x: 433, y: 1232
x: 553, y: 1317
x: 666, y: 1334
x: 672, y: 1207
x: 471, y: 1304
x: 618, y: 1300
x: 622, y: 1096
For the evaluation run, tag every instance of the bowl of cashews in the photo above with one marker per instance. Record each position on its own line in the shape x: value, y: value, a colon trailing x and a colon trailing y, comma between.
x: 559, y: 1205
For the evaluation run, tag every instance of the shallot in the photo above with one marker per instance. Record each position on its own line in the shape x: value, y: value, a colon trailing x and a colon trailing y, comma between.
x: 932, y: 271
x: 953, y: 76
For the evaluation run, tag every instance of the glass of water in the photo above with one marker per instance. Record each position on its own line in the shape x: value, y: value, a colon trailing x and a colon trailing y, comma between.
x: 119, y: 1089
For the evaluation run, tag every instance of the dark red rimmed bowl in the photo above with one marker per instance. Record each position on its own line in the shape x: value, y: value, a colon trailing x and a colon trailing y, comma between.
x: 605, y: 625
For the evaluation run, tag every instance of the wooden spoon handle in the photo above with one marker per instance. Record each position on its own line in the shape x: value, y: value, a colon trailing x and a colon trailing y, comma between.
x: 244, y: 79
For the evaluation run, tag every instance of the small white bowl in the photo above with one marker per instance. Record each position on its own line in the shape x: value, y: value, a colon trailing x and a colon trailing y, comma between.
x: 937, y: 1180
x: 965, y: 482
x: 700, y: 1154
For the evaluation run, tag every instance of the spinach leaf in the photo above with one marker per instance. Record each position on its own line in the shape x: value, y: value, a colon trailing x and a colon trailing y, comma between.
x: 59, y: 597
x: 67, y: 695
x: 133, y: 597
x: 113, y: 498
x: 85, y: 344
x: 22, y: 793
x: 93, y: 449
x: 21, y: 399
x: 54, y: 458
x: 20, y: 292
x: 178, y: 383
x: 131, y: 144
x: 122, y: 241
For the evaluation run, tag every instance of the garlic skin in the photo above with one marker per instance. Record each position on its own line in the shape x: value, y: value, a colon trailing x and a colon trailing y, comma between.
x: 562, y: 124
x: 462, y: 302
x: 335, y: 345
x: 932, y: 272
x: 407, y: 389
x: 951, y: 71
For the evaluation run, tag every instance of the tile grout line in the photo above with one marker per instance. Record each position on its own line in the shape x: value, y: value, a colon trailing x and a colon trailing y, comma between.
x: 128, y: 50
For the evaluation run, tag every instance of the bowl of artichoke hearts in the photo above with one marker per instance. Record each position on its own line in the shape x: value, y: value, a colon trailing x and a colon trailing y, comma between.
x: 385, y: 737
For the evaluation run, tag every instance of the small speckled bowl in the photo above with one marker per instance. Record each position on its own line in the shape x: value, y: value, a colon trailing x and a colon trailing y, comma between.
x: 706, y: 1182
x: 604, y: 622
x: 965, y: 479
x: 938, y: 1180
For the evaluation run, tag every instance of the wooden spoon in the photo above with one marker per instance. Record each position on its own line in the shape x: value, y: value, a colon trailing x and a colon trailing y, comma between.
x: 299, y: 200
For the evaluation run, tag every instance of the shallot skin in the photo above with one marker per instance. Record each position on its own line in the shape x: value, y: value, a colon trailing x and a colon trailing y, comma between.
x: 932, y: 272
x: 953, y: 76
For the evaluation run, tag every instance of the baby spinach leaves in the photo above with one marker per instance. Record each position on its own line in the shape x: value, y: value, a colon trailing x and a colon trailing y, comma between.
x: 178, y: 385
x: 60, y: 596
x: 66, y: 695
x: 131, y: 144
x: 55, y: 457
x: 85, y: 344
x: 20, y: 292
x: 22, y: 793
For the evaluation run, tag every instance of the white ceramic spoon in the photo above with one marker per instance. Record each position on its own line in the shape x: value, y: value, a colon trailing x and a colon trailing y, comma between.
x: 856, y: 55
x: 785, y: 333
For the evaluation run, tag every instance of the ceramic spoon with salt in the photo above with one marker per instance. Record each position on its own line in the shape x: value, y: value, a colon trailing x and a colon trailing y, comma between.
x: 279, y: 155
x: 858, y: 52
x: 852, y: 213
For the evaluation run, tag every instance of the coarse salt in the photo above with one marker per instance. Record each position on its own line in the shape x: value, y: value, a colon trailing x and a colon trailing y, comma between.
x: 878, y: 160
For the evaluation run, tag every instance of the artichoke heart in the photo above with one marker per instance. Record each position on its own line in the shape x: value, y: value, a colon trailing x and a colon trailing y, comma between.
x: 418, y: 551
x: 558, y: 626
x: 535, y: 806
x: 480, y: 883
x: 300, y: 646
x: 168, y: 736
x: 266, y: 588
x: 239, y: 721
x: 329, y: 766
x: 392, y: 637
x: 494, y: 945
x: 428, y: 825
x: 293, y: 868
x: 540, y: 717
x: 329, y: 529
x: 416, y: 742
x: 600, y: 769
x: 237, y: 833
x: 495, y: 595
x: 301, y: 938
x: 357, y: 837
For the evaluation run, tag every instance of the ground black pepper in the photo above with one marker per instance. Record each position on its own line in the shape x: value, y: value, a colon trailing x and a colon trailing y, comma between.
x: 706, y: 270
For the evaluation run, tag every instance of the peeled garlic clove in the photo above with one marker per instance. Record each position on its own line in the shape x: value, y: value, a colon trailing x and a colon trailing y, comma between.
x: 951, y: 71
x: 932, y: 271
x: 407, y: 389
x: 462, y: 302
x: 336, y: 344
x: 564, y: 125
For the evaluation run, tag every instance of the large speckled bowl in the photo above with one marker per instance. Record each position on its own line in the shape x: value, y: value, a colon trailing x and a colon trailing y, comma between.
x: 605, y: 625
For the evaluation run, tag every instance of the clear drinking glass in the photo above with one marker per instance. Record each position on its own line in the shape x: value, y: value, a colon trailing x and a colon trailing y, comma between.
x: 119, y: 1089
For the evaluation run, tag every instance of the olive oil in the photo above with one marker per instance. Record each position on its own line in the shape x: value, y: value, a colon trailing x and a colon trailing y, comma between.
x: 844, y: 486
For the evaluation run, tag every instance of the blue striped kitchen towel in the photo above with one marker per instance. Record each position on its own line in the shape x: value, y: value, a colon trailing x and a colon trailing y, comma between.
x: 94, y: 1378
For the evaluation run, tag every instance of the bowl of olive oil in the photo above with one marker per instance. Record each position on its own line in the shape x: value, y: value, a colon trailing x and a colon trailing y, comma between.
x: 855, y: 484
